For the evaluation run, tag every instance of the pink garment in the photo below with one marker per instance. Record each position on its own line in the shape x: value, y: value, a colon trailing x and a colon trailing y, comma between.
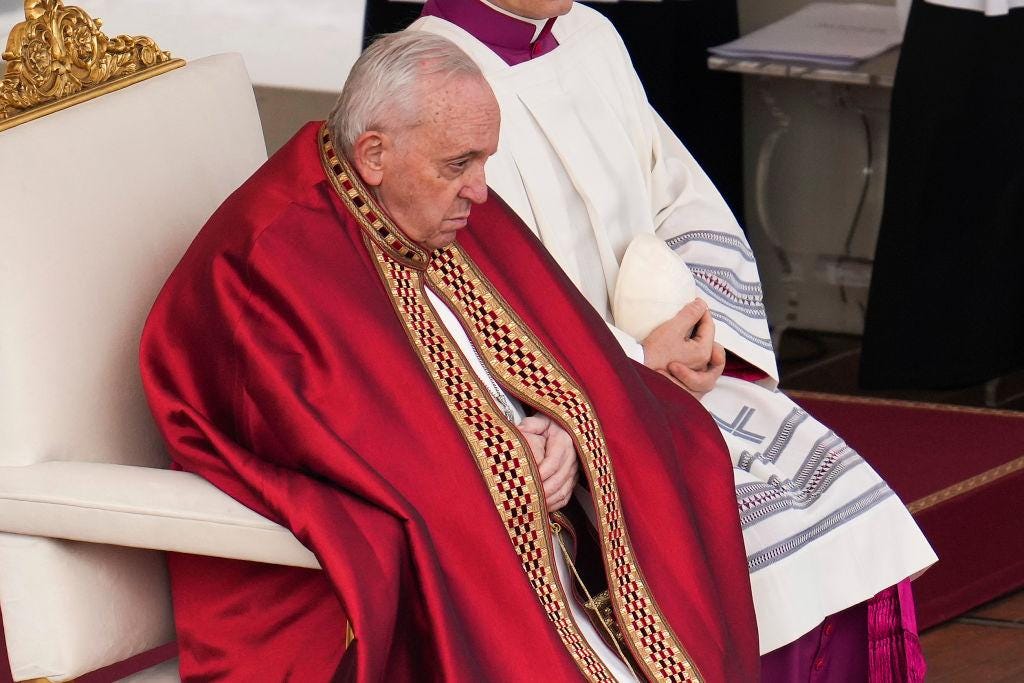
x: 509, y: 38
x: 874, y: 641
x: 834, y: 652
x: 741, y: 369
x: 893, y: 646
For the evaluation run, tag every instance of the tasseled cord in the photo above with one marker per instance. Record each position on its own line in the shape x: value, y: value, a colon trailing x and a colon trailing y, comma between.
x: 894, y: 650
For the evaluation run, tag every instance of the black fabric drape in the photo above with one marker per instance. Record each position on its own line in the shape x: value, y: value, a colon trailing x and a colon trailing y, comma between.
x: 668, y: 43
x: 946, y: 306
x: 387, y: 16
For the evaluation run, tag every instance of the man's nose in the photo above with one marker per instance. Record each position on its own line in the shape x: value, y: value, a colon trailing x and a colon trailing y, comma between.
x: 475, y: 189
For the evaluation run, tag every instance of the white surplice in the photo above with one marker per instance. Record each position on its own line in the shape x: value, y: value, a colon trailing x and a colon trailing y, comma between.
x: 588, y: 165
x: 992, y: 8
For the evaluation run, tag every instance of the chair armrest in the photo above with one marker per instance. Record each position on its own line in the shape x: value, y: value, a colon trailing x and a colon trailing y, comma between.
x: 140, y: 507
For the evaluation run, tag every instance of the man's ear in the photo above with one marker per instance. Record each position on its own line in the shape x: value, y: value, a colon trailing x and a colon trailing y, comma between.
x: 367, y: 156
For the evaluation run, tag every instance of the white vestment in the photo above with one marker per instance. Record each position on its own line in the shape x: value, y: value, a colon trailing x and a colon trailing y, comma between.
x: 588, y: 165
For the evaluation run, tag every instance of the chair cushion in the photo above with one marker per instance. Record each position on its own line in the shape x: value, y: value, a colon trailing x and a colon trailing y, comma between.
x: 70, y: 608
x: 140, y: 507
x: 165, y: 672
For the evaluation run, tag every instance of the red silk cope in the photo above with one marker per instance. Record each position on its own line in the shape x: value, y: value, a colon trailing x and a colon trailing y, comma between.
x: 292, y: 361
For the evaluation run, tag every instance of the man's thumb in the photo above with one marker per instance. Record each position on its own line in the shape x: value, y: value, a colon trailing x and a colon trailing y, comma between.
x: 690, y: 314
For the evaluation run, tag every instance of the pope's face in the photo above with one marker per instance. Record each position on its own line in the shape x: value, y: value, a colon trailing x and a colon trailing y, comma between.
x: 433, y: 172
x: 535, y: 9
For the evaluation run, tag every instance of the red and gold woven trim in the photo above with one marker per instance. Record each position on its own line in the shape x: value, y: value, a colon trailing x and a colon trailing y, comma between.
x: 361, y: 204
x: 501, y: 456
x: 522, y: 365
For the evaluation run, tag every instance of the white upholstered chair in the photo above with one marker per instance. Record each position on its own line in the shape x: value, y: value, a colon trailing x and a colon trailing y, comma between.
x: 97, y: 204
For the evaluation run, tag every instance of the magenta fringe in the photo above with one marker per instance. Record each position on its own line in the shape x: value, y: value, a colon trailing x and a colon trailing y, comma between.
x: 894, y: 651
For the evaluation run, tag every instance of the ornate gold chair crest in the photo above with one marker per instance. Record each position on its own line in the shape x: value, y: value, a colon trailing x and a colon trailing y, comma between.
x: 59, y: 56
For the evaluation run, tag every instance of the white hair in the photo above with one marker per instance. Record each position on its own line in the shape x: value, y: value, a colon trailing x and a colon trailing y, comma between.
x: 383, y: 87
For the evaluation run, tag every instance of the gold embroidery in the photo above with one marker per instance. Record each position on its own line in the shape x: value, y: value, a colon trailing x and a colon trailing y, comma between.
x: 522, y: 365
x: 501, y: 456
x: 969, y: 484
x: 59, y: 57
x: 600, y: 606
x: 360, y: 203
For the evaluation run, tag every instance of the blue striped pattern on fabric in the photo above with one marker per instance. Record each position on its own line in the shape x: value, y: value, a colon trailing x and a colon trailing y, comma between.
x: 715, y: 238
x: 762, y: 342
x: 851, y: 510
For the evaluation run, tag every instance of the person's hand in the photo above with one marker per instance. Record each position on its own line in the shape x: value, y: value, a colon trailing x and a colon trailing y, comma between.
x: 698, y: 382
x: 683, y: 349
x: 555, y: 456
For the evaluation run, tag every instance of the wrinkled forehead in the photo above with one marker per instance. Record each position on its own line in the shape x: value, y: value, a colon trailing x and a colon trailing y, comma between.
x: 458, y: 107
x: 443, y: 97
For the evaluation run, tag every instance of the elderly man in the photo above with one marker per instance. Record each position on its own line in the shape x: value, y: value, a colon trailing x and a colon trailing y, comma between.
x: 414, y: 399
x: 591, y: 168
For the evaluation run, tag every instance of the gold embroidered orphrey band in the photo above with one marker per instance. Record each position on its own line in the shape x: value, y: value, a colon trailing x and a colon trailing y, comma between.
x: 526, y: 369
x: 59, y: 57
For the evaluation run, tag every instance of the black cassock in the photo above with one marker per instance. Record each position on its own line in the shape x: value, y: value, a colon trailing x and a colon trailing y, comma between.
x: 946, y: 307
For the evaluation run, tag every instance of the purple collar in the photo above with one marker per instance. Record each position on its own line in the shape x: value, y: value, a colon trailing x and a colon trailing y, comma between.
x: 509, y: 38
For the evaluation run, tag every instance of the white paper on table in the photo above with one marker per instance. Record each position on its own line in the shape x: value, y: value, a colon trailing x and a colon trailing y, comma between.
x: 827, y: 32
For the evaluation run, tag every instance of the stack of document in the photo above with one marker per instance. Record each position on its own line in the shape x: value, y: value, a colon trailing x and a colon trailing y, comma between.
x: 832, y: 33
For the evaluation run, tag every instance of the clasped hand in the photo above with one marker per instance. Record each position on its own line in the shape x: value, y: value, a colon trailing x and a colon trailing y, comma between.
x: 683, y: 349
x: 555, y: 455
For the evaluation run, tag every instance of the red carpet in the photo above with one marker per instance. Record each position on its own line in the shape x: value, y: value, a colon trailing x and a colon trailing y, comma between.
x: 960, y: 470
